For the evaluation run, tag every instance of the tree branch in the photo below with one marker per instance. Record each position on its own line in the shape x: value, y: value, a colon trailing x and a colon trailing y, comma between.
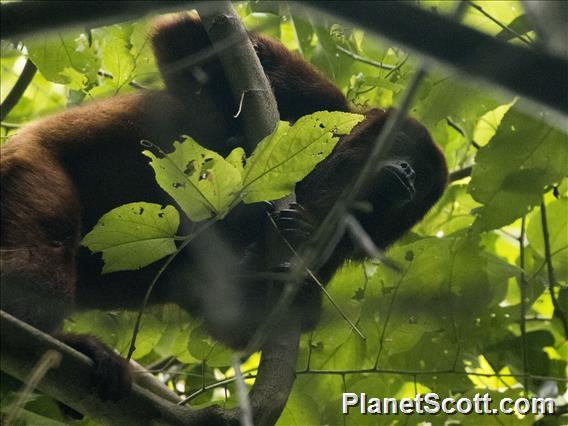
x: 258, y: 113
x: 258, y: 116
x: 23, y: 18
x: 515, y: 68
x: 21, y: 348
x: 465, y: 49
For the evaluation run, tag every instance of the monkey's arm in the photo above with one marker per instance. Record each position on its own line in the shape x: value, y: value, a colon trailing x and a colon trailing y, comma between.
x: 191, y: 69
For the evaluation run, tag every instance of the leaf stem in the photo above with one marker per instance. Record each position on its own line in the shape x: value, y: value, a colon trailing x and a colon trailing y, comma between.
x: 523, y: 308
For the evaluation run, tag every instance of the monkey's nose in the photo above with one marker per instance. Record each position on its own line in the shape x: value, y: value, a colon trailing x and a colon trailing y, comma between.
x: 404, y: 173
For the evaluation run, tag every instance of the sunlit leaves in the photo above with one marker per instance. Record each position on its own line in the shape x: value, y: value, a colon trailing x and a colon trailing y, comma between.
x: 442, y: 97
x: 126, y: 53
x: 202, y: 182
x: 524, y: 156
x: 456, y: 306
x: 290, y: 153
x: 58, y: 56
x: 206, y: 185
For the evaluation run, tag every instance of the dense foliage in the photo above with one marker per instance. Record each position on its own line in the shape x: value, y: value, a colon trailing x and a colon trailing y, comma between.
x: 476, y: 306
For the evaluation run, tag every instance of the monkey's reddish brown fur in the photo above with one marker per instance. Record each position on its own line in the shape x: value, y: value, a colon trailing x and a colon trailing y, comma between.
x: 61, y: 174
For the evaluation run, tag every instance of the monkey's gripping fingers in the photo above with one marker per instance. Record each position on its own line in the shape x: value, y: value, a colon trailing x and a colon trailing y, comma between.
x: 111, y: 377
x: 294, y: 224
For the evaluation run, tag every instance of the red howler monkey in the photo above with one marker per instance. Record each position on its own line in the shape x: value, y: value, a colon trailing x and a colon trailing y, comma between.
x: 62, y: 173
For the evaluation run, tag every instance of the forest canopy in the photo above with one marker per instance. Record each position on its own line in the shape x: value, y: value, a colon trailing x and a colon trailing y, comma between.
x: 478, y: 302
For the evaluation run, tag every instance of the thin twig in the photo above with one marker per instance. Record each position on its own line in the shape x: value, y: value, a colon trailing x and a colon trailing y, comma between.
x: 366, y: 60
x: 523, y: 308
x: 427, y: 373
x: 7, y: 125
x: 387, y: 320
x: 215, y: 385
x: 317, y: 281
x: 461, y: 131
x: 460, y: 174
x: 500, y: 24
x: 397, y: 67
x: 19, y: 88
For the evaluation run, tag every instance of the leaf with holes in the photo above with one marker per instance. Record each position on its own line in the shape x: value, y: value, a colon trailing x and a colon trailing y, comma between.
x: 202, y: 182
x: 134, y: 235
x: 290, y: 153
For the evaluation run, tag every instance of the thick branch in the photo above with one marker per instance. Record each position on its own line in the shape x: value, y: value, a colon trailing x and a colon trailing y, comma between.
x: 23, y: 18
x: 258, y: 112
x: 258, y: 115
x: 276, y: 374
x: 21, y: 348
x: 531, y: 73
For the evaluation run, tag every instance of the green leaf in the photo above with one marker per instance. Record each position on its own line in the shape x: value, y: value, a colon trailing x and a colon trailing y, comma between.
x: 299, y: 411
x: 117, y: 58
x: 56, y: 56
x: 520, y: 25
x: 448, y: 97
x: 443, y: 288
x: 268, y: 23
x: 524, y: 156
x: 290, y: 153
x: 237, y: 158
x: 134, y: 235
x: 202, y: 182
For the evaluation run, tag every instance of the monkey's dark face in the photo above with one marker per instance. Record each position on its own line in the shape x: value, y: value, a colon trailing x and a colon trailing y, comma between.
x: 39, y: 237
x: 410, y: 178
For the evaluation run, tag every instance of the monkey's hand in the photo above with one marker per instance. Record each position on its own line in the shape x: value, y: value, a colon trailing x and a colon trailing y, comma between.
x: 111, y: 377
x: 293, y: 224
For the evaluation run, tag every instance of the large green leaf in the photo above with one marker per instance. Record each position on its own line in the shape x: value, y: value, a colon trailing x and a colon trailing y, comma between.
x: 202, y: 182
x: 524, y: 156
x: 442, y: 97
x: 290, y: 153
x: 117, y: 59
x: 134, y: 235
x: 63, y: 58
